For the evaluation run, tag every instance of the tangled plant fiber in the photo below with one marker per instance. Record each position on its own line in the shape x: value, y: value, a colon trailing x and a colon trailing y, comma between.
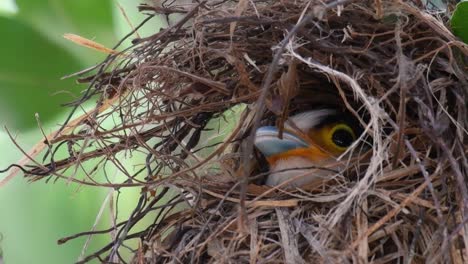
x: 191, y: 96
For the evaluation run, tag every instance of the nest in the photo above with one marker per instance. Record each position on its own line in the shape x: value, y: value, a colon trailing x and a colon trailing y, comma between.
x: 190, y: 97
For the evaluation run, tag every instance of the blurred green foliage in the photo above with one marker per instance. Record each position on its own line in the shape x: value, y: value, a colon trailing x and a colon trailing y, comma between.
x: 30, y: 71
x: 34, y: 57
x: 88, y: 18
x: 459, y: 21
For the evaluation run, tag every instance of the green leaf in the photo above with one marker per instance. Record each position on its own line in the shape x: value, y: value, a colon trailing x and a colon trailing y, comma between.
x: 459, y: 21
x: 88, y: 18
x: 30, y: 71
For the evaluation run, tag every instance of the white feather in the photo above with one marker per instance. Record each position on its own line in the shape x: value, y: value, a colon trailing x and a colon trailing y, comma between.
x: 299, y: 171
x: 307, y: 120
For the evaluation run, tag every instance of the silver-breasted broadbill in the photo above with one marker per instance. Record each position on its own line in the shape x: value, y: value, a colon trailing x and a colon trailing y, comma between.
x: 309, y: 147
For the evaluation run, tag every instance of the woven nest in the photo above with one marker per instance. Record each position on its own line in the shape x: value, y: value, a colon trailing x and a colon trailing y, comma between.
x: 191, y: 96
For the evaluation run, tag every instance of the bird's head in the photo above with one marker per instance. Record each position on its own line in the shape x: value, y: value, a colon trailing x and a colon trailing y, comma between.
x: 311, y: 138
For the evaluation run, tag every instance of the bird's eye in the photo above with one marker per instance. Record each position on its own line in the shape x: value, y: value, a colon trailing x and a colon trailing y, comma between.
x: 342, y: 136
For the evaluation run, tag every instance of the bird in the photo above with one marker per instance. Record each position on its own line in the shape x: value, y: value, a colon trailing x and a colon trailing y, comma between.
x: 309, y: 148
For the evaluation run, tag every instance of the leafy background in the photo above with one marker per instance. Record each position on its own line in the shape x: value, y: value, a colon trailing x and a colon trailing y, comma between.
x: 34, y: 57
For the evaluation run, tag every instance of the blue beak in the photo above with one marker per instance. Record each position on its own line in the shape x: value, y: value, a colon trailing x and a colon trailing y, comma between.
x: 268, y: 142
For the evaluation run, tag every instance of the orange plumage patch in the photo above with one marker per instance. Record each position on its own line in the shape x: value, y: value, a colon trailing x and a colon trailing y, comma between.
x: 312, y: 153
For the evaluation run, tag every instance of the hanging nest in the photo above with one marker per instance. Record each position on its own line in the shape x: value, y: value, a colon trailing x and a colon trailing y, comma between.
x: 191, y: 96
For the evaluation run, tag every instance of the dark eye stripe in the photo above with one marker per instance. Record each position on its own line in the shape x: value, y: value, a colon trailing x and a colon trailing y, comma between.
x: 343, y: 138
